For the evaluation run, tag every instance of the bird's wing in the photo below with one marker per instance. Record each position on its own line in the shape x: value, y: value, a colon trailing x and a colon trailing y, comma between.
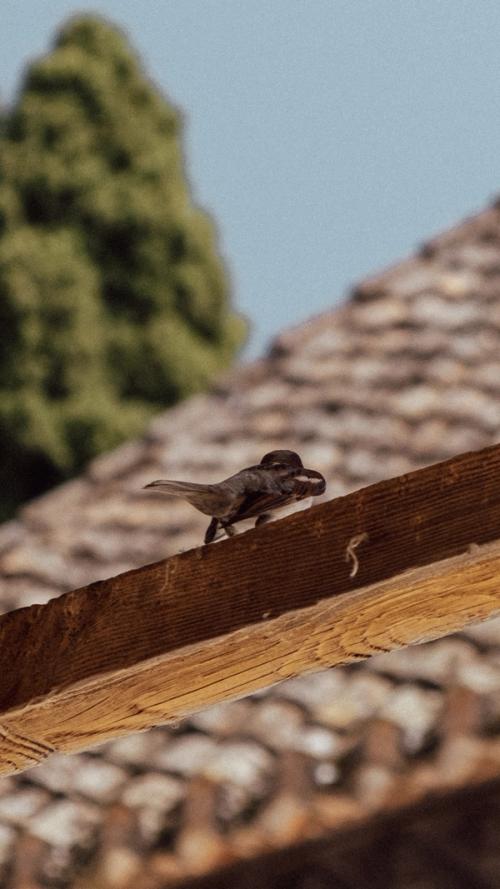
x: 277, y: 492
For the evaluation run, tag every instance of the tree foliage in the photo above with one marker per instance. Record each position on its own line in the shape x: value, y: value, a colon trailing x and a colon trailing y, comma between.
x: 113, y: 298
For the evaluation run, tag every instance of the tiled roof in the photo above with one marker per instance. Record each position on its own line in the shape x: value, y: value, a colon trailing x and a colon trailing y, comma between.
x: 406, y: 373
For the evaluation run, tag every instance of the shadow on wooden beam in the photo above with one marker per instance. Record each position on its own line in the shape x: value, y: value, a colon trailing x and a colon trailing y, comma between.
x: 218, y: 622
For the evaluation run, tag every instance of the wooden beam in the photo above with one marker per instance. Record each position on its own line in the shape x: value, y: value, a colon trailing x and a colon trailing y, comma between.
x: 155, y: 644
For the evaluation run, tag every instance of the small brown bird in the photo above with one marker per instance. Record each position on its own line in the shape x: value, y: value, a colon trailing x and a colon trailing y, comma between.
x: 262, y: 492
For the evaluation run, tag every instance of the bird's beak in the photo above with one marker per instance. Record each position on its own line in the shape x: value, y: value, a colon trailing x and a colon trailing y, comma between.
x: 153, y: 484
x: 321, y: 482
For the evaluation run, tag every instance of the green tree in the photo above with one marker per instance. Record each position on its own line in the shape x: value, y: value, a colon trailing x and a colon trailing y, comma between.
x: 113, y: 298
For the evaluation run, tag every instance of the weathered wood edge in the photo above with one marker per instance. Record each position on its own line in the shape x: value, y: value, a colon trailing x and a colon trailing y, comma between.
x: 104, y: 660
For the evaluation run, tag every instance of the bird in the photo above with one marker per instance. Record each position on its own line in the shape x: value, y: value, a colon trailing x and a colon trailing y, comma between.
x: 269, y: 489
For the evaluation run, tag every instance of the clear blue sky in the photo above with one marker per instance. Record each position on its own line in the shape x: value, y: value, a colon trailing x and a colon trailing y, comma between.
x: 328, y: 137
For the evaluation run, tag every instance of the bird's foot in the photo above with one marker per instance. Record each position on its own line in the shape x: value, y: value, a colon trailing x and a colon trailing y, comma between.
x: 211, y: 531
x: 262, y: 519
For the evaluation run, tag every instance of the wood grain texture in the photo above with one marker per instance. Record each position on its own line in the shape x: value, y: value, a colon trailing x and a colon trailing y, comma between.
x: 218, y: 622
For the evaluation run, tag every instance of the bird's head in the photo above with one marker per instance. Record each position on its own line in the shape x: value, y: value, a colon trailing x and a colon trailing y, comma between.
x: 286, y: 458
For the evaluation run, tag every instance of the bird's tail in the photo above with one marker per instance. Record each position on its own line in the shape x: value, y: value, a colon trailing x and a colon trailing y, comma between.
x: 177, y: 489
x: 203, y: 497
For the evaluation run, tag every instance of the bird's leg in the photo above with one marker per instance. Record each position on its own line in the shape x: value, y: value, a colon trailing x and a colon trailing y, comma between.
x: 212, y: 530
x: 230, y: 530
x: 262, y: 519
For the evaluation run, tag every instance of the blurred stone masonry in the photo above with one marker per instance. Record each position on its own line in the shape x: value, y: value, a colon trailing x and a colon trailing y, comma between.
x: 406, y: 373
